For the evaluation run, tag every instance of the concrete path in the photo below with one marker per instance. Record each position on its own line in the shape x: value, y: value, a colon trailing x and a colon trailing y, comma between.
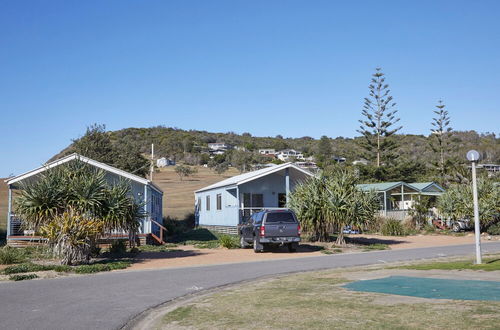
x: 110, y: 300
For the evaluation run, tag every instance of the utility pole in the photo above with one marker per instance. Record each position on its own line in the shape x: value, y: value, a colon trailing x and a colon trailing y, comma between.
x: 473, y: 156
x: 152, y: 162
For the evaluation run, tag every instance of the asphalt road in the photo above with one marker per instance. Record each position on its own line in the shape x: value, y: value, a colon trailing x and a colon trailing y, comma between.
x: 110, y: 300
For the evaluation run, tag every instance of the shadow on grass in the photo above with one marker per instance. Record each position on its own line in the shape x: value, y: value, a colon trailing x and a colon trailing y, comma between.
x: 162, y: 255
x: 199, y: 235
x: 371, y: 241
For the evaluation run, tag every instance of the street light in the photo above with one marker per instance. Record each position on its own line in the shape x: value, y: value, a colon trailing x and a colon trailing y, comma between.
x: 473, y: 156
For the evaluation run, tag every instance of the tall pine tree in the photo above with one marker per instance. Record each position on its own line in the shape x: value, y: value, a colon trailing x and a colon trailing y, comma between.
x: 441, y: 132
x: 380, y: 117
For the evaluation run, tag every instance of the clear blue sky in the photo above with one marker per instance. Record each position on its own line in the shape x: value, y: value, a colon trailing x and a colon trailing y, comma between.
x: 266, y: 67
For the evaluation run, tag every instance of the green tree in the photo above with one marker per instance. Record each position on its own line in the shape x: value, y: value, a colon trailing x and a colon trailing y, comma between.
x: 331, y: 201
x: 96, y: 144
x: 325, y: 151
x: 185, y: 171
x: 241, y: 160
x: 441, y: 134
x: 380, y: 117
x: 72, y: 205
x: 457, y: 203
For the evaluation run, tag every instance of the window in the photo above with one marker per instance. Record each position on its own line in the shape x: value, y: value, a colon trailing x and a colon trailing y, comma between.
x: 208, y: 203
x: 280, y: 217
x: 257, y: 200
x: 219, y: 201
x: 281, y: 200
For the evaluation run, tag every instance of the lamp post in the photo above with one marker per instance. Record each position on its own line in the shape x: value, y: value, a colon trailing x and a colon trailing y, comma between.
x: 473, y: 156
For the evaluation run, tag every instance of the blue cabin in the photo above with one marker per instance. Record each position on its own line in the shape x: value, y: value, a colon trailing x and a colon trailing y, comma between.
x: 144, y: 191
x: 224, y: 205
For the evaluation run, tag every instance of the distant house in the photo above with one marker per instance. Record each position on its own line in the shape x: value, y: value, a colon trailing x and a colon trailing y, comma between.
x: 219, y: 146
x: 492, y: 169
x: 224, y: 205
x: 307, y: 164
x: 339, y: 159
x: 396, y: 198
x: 164, y: 162
x: 360, y: 162
x: 289, y: 154
x: 268, y: 151
x: 143, y: 190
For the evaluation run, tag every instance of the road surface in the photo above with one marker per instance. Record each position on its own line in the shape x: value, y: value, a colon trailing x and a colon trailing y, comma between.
x: 111, y: 300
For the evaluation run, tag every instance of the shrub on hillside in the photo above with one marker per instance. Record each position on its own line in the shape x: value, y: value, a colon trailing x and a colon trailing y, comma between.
x: 393, y: 227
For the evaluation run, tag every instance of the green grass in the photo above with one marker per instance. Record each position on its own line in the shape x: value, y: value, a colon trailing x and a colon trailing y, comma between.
x: 22, y: 277
x: 489, y: 264
x: 376, y: 246
x: 169, y: 247
x: 316, y: 301
x: 202, y: 238
x: 103, y: 266
x: 10, y: 255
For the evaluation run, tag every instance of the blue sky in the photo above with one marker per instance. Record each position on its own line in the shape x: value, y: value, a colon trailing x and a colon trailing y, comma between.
x: 266, y: 67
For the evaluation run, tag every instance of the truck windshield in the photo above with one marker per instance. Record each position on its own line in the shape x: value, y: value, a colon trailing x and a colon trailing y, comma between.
x: 280, y: 217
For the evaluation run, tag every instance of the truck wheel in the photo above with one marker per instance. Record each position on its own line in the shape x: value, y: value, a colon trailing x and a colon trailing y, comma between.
x: 292, y: 247
x: 257, y: 247
x: 243, y: 243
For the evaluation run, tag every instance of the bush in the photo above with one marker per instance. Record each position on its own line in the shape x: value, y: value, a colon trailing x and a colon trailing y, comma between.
x: 494, y: 229
x: 393, y: 227
x: 22, y: 277
x: 101, y: 267
x: 9, y: 255
x: 26, y: 268
x: 229, y: 242
x: 375, y: 225
x: 118, y: 247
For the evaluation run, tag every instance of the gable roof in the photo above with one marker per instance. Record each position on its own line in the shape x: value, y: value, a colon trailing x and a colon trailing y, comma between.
x: 87, y: 160
x: 383, y: 186
x: 246, y: 177
x: 422, y: 186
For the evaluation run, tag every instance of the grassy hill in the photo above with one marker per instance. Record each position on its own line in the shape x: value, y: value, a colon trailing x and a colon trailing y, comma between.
x: 178, y: 196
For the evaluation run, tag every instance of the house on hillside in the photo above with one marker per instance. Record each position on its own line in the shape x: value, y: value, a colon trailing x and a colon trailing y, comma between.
x: 219, y: 146
x: 267, y: 151
x: 288, y: 154
x: 144, y: 191
x: 224, y: 205
x: 397, y: 198
x: 164, y: 162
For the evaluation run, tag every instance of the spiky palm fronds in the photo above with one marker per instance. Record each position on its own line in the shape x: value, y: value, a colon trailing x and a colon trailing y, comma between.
x: 76, y: 192
x: 331, y: 201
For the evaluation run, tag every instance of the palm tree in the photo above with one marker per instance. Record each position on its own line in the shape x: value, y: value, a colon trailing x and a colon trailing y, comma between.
x: 73, y: 205
x: 329, y: 202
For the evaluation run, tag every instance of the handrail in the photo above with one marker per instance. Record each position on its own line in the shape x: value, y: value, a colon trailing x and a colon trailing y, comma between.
x: 162, y: 228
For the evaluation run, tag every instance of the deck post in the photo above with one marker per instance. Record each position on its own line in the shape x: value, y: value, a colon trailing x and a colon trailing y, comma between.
x: 385, y: 203
x: 144, y: 223
x: 9, y: 211
x: 287, y: 185
x: 402, y: 197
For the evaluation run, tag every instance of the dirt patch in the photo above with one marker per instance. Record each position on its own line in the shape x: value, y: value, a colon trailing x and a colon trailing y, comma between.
x: 188, y: 255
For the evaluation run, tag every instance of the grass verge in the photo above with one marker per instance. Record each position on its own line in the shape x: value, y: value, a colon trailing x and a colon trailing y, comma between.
x: 316, y: 301
x: 489, y: 264
x: 29, y: 267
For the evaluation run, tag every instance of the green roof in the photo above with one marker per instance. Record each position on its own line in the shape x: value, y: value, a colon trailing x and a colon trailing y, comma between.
x: 385, y: 186
x: 381, y: 186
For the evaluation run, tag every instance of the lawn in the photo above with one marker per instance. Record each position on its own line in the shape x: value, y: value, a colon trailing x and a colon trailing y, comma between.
x: 316, y: 301
x: 489, y: 264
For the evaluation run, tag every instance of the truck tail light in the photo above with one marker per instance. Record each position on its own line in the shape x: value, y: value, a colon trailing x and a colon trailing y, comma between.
x: 262, y: 231
x: 299, y: 229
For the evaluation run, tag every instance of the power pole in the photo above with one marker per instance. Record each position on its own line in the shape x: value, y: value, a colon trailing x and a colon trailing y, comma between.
x: 152, y: 162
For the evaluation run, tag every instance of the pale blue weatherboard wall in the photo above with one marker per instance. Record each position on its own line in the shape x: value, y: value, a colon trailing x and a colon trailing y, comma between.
x: 269, y: 186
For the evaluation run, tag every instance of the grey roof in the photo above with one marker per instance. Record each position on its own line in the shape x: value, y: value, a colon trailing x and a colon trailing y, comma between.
x: 386, y: 186
x: 245, y: 177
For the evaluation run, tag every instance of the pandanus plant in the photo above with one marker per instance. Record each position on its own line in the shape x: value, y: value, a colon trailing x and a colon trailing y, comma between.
x: 72, y: 205
x: 330, y: 201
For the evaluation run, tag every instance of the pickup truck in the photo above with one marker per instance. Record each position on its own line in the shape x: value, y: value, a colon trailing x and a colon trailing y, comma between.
x: 270, y: 227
